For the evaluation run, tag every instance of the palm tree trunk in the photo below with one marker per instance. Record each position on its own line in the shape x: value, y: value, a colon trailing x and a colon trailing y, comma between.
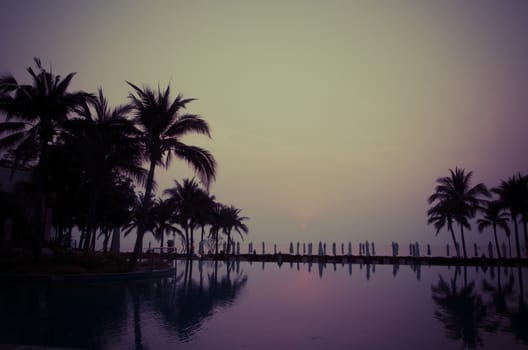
x: 496, y: 241
x: 454, y: 240
x: 216, y: 242
x: 463, y: 241
x: 187, y: 239
x: 191, y: 251
x: 516, y: 229
x: 525, y: 234
x: 91, y: 214
x: 509, y: 246
x: 138, y: 247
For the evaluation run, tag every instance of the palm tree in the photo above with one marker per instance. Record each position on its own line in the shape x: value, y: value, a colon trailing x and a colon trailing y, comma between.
x: 513, y: 195
x: 163, y: 219
x: 455, y: 195
x: 494, y: 216
x: 231, y: 220
x: 162, y: 125
x: 135, y: 216
x: 39, y: 109
x: 441, y: 215
x: 190, y: 200
x: 105, y: 144
x: 215, y: 223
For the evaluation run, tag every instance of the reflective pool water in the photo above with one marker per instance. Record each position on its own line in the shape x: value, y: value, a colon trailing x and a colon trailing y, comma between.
x: 208, y: 305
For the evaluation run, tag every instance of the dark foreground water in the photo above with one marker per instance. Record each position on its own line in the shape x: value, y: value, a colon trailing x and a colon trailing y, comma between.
x: 264, y: 306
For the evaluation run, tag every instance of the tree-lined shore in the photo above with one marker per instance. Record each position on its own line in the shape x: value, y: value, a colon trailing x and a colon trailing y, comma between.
x: 92, y: 167
x: 503, y: 208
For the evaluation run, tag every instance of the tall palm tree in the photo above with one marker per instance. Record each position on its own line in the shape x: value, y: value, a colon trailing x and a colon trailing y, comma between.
x: 231, y: 220
x: 105, y: 143
x: 456, y: 195
x: 440, y: 215
x: 38, y: 109
x: 513, y: 195
x: 494, y: 216
x: 162, y: 125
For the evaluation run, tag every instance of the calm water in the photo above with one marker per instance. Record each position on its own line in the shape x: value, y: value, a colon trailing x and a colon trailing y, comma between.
x: 264, y: 306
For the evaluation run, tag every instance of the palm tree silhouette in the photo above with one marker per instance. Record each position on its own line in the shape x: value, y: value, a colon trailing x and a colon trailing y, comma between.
x: 106, y: 144
x: 192, y: 202
x: 513, y: 195
x: 39, y: 109
x: 454, y: 195
x: 441, y: 215
x: 231, y: 220
x: 163, y: 219
x: 162, y: 124
x: 494, y: 216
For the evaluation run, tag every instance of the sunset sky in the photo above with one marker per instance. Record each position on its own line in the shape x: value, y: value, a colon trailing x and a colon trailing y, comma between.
x: 330, y: 120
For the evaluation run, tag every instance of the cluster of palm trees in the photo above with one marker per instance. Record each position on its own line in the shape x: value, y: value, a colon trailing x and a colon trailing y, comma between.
x: 187, y: 208
x: 455, y: 202
x: 86, y: 158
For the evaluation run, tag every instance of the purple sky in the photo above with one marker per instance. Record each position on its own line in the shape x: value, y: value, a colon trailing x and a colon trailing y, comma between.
x: 330, y: 120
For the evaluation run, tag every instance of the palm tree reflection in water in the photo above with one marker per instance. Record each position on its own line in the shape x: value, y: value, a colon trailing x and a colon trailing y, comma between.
x: 466, y: 314
x: 185, y: 304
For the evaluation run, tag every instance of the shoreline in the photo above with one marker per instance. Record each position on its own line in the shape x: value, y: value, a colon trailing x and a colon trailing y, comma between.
x: 355, y: 259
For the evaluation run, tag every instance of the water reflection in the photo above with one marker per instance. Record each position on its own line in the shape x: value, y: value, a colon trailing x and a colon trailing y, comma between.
x: 467, y: 312
x: 458, y: 307
x: 185, y: 303
x: 96, y: 315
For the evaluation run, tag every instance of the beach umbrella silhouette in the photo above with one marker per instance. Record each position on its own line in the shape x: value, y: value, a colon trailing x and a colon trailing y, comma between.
x: 349, y: 248
x: 298, y: 247
x: 334, y: 249
x: 291, y: 247
x: 310, y: 249
x: 367, y: 248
